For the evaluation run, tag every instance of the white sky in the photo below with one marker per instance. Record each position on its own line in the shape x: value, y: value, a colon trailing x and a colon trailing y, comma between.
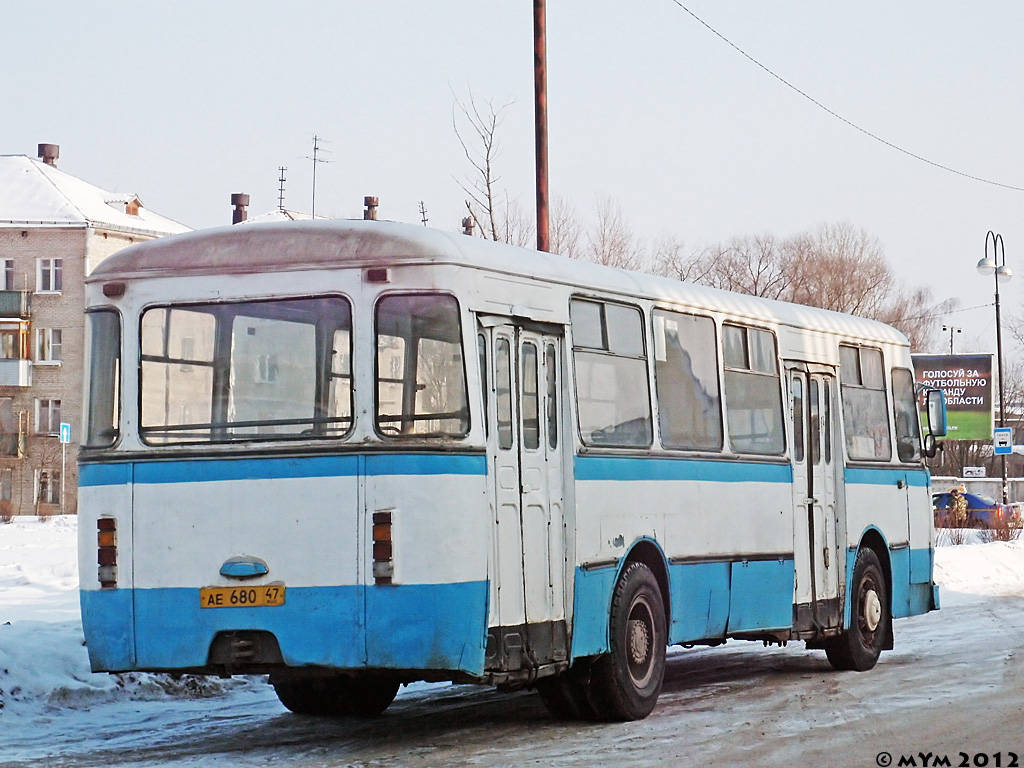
x: 187, y: 102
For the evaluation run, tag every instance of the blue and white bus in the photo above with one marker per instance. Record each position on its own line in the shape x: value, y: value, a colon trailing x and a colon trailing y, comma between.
x: 352, y: 455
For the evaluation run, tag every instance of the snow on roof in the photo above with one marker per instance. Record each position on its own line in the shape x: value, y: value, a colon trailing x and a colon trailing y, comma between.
x: 32, y: 192
x: 279, y: 214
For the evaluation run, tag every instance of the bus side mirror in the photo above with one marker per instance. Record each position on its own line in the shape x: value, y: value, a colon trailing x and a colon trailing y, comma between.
x: 936, y: 412
x: 931, y: 446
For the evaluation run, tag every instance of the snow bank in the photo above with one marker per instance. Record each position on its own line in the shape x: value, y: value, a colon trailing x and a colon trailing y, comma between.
x: 44, y: 664
x: 43, y: 660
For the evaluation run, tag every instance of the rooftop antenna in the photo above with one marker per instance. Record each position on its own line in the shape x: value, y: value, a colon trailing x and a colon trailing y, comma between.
x: 316, y: 159
x: 423, y: 213
x: 280, y: 188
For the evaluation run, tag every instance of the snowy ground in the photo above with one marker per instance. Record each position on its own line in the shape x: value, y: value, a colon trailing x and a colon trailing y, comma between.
x: 54, y: 711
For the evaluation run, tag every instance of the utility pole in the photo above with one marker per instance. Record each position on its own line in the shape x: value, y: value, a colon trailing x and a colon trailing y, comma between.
x: 315, y: 159
x: 280, y: 187
x: 540, y: 114
x: 423, y: 213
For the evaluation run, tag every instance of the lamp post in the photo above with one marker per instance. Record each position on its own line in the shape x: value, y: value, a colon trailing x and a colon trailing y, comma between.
x: 997, y: 266
x: 951, y: 329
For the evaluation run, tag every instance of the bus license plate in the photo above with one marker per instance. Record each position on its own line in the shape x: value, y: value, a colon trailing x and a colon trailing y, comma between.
x: 241, y: 597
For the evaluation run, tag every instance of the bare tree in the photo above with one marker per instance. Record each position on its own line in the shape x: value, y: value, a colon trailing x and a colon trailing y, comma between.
x: 481, y: 150
x: 753, y: 265
x: 566, y: 230
x: 669, y: 258
x: 612, y: 241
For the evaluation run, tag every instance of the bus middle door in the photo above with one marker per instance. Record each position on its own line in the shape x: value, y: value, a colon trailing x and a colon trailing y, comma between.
x: 528, y: 612
x: 815, y: 499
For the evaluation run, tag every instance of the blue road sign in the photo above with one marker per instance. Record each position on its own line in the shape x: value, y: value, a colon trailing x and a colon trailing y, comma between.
x: 1002, y: 439
x: 65, y: 432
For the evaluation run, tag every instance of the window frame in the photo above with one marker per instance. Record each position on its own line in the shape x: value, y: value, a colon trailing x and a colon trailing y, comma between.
x: 584, y: 346
x: 221, y: 433
x: 51, y: 411
x: 53, y: 272
x: 728, y: 368
x: 718, y: 386
x: 460, y: 334
x: 44, y: 341
x: 882, y: 396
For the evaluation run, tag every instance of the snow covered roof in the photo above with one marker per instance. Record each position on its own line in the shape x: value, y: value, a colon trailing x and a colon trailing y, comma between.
x: 35, y: 193
x: 279, y: 214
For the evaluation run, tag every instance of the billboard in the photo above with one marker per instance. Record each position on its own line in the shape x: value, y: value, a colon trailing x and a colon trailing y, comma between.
x: 967, y: 382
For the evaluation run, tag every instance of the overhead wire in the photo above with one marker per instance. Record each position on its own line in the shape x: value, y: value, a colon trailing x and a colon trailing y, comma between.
x: 839, y: 117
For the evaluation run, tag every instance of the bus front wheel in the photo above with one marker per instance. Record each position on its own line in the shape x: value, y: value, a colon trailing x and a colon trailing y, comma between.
x: 625, y: 683
x: 860, y: 645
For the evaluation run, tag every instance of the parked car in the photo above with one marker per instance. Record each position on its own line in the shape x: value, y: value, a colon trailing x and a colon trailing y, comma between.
x: 982, y: 512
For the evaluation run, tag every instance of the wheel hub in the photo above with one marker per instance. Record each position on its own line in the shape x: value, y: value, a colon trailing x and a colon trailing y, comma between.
x: 871, y: 610
x: 639, y: 641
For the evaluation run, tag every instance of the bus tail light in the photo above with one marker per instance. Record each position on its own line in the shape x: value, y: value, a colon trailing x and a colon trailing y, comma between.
x: 106, y: 551
x: 383, y: 552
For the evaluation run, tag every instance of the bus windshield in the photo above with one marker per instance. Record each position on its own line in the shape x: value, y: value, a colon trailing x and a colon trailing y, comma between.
x: 265, y: 370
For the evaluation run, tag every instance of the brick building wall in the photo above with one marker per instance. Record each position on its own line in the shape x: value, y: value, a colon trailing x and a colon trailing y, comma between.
x: 30, y: 479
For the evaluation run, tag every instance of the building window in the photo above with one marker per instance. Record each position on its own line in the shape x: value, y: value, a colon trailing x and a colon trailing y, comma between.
x: 8, y: 274
x: 48, y: 486
x: 50, y: 275
x: 48, y: 345
x: 6, y: 484
x: 47, y: 416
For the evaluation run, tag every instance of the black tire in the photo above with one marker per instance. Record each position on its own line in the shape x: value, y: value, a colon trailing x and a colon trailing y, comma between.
x: 363, y: 696
x: 859, y: 647
x: 310, y: 696
x: 625, y: 683
x: 369, y: 695
x: 565, y: 696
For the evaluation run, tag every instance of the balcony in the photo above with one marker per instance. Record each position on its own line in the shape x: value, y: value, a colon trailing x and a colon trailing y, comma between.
x: 15, y: 373
x: 15, y: 304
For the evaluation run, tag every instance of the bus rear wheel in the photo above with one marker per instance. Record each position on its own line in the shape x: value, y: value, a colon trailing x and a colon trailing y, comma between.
x: 361, y: 696
x: 859, y: 647
x: 626, y: 682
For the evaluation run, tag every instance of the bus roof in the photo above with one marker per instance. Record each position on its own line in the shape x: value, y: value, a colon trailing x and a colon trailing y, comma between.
x: 323, y: 244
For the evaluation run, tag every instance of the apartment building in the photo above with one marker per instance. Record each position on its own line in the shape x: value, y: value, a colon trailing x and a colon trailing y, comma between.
x: 54, y: 230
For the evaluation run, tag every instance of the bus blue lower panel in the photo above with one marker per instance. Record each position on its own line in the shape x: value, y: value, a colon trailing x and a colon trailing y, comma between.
x: 427, y: 626
x: 709, y: 600
x: 912, y: 590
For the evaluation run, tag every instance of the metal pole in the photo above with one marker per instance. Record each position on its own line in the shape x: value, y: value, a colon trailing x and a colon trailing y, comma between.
x: 540, y: 88
x: 63, y: 472
x: 1002, y: 401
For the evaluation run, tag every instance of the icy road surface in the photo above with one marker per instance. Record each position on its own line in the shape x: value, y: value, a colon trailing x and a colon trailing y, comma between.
x: 954, y: 683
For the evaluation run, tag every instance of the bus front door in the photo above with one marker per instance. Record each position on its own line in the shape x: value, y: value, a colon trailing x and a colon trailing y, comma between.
x: 815, y: 500
x: 523, y: 382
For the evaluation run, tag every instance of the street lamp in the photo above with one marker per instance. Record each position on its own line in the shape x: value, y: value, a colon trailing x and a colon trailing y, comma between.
x: 997, y: 266
x: 951, y: 329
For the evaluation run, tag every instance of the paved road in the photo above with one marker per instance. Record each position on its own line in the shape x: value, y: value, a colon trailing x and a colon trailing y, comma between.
x: 954, y: 683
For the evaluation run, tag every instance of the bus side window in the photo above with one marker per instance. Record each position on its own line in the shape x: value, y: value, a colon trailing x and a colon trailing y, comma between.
x: 753, y: 394
x: 612, y: 390
x: 865, y: 411
x: 686, y: 381
x: 908, y: 428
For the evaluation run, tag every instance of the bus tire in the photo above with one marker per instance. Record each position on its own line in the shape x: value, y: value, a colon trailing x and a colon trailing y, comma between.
x: 625, y: 682
x: 859, y: 647
x: 565, y: 696
x: 368, y: 695
x: 309, y: 696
